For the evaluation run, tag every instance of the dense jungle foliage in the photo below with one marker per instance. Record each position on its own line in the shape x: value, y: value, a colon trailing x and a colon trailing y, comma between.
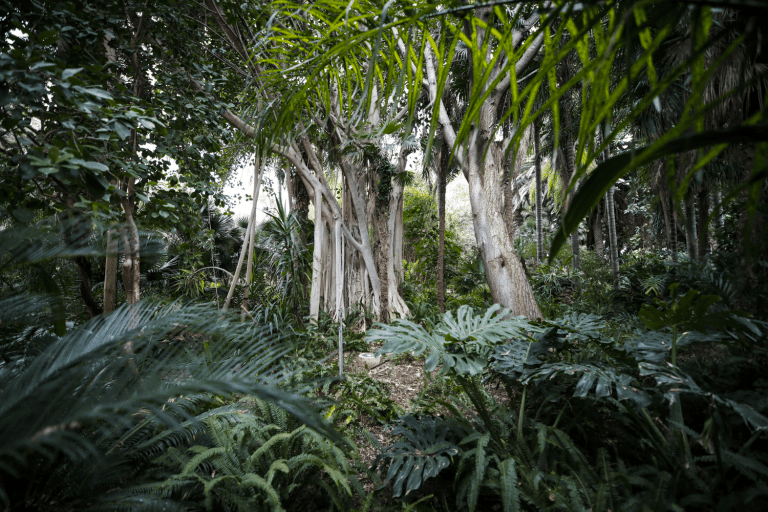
x: 635, y: 152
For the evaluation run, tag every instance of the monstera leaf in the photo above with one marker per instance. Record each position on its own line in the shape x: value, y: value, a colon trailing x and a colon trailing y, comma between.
x: 605, y: 381
x: 424, y: 449
x: 461, y: 344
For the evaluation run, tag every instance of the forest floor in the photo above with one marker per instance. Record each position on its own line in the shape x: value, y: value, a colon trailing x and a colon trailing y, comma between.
x: 406, y: 380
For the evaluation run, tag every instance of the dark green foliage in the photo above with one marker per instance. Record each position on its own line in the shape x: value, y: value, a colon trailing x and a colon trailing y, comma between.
x: 462, y: 345
x: 364, y: 395
x: 424, y: 449
x: 678, y: 436
x: 256, y: 459
x: 83, y: 413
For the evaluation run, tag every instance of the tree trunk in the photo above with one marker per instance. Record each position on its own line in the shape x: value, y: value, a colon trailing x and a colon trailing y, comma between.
x: 667, y: 219
x: 442, y: 162
x: 690, y: 227
x: 243, y: 251
x: 612, y: 238
x: 539, y: 194
x: 570, y: 159
x: 110, y: 272
x: 258, y: 170
x: 317, y: 258
x: 506, y: 277
x: 610, y: 210
x: 703, y: 231
x: 597, y: 231
x: 131, y: 270
x: 381, y: 246
x: 339, y: 290
x: 84, y: 268
x: 675, y: 223
x: 395, y: 301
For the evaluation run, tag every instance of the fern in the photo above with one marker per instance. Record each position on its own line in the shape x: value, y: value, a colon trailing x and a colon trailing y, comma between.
x: 248, y: 464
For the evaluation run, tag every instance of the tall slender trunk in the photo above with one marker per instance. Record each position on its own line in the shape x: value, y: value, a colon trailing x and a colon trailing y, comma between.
x: 317, y: 257
x: 667, y: 219
x: 395, y: 301
x: 243, y: 251
x: 675, y: 223
x: 703, y: 231
x: 690, y: 227
x: 610, y: 214
x: 612, y: 238
x: 570, y: 158
x: 339, y: 275
x: 131, y: 270
x: 257, y: 172
x: 597, y: 231
x: 539, y: 194
x: 441, y: 184
x: 110, y: 272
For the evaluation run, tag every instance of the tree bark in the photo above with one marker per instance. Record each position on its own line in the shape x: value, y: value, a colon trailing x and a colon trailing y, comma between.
x: 667, y: 220
x: 675, y: 223
x: 243, y: 250
x: 110, y: 272
x: 690, y: 227
x: 597, y: 231
x: 703, y: 226
x: 84, y: 268
x: 506, y: 278
x: 442, y: 163
x: 317, y: 258
x: 612, y: 238
x: 258, y: 170
x: 539, y: 192
x: 131, y: 270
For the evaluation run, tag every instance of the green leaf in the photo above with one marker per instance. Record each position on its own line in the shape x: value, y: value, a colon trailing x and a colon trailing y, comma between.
x: 122, y: 131
x: 510, y: 495
x: 70, y: 72
x: 95, y: 166
x: 93, y: 91
x: 607, y: 173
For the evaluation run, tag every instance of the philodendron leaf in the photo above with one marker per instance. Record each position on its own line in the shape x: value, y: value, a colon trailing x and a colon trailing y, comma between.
x: 425, y: 447
x: 462, y: 344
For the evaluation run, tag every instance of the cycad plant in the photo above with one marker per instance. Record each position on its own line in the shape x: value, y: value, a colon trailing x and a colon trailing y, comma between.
x: 84, y: 408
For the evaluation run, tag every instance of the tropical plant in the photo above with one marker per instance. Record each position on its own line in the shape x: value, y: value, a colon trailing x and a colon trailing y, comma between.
x: 81, y: 412
x: 259, y: 458
x: 573, y: 356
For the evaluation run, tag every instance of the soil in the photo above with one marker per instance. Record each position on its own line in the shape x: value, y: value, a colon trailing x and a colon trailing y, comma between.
x: 404, y: 376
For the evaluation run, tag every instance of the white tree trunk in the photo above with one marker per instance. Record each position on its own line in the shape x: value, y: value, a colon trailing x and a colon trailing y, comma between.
x: 317, y: 258
x: 613, y: 239
x: 258, y: 170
